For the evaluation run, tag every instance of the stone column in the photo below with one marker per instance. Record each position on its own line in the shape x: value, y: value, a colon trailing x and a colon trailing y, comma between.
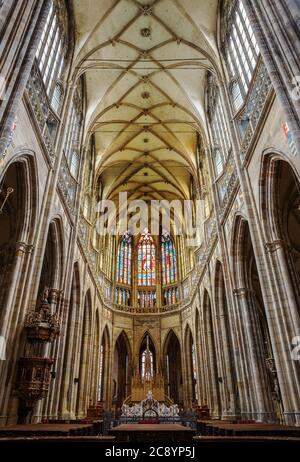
x: 279, y: 43
x: 35, y: 30
x: 241, y: 361
x: 67, y: 365
x: 202, y: 399
x: 260, y: 389
x: 21, y: 250
x: 107, y: 397
x: 226, y: 366
x: 212, y: 367
x: 15, y: 37
x: 287, y: 325
x: 202, y: 365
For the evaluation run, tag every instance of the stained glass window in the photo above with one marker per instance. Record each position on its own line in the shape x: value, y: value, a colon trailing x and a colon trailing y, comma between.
x: 147, y: 299
x: 50, y: 55
x: 168, y: 260
x: 147, y: 365
x: 122, y: 296
x: 194, y: 371
x: 171, y: 296
x: 242, y: 53
x: 218, y: 123
x: 146, y: 260
x: 100, y: 389
x: 124, y: 259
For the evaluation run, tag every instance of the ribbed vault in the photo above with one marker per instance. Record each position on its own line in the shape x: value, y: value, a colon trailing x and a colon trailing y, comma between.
x: 145, y: 65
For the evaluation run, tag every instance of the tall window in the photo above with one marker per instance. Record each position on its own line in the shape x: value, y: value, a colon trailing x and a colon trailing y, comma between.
x: 72, y: 142
x: 100, y: 389
x: 146, y: 260
x: 124, y: 260
x: 140, y: 287
x: 168, y: 260
x: 218, y: 124
x: 242, y: 53
x: 50, y: 56
x: 170, y: 295
x: 194, y: 371
x: 123, y: 296
x: 147, y: 364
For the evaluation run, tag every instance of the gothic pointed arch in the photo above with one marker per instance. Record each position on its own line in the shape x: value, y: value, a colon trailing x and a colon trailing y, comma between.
x: 147, y: 357
x: 173, y: 367
x: 122, y: 366
x: 51, y: 276
x: 146, y: 250
x: 124, y: 270
x: 280, y: 205
x: 19, y: 205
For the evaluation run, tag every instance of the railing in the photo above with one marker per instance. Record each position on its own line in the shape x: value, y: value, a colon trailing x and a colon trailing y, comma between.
x: 247, y: 120
x: 104, y: 285
x: 67, y: 184
x: 187, y: 289
x: 210, y: 229
x: 187, y: 418
x: 83, y: 231
x: 227, y: 182
x: 46, y: 119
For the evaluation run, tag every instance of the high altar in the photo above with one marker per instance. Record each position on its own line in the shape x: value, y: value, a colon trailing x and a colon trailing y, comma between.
x: 147, y: 381
x: 140, y: 388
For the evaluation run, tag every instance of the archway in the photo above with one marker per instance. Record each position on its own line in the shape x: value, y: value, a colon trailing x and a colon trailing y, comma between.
x: 280, y: 200
x: 12, y: 203
x: 49, y: 288
x: 280, y: 211
x: 52, y: 268
x: 18, y: 204
x: 173, y: 368
x: 121, y: 370
x: 18, y: 209
x: 147, y: 358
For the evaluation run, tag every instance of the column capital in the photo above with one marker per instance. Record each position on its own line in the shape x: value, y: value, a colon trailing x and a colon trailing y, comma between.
x: 54, y: 295
x: 23, y: 248
x: 275, y: 245
x: 242, y: 291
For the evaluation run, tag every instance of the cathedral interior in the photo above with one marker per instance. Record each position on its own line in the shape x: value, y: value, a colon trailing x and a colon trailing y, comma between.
x: 112, y: 317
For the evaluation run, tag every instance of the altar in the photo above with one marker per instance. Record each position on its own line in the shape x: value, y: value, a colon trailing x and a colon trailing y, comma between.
x: 150, y: 408
x: 163, y: 432
x: 140, y: 387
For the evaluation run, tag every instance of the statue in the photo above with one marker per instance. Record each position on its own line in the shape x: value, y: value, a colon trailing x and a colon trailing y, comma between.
x: 45, y: 295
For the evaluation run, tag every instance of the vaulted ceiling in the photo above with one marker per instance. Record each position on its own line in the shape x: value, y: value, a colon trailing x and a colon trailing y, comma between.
x: 145, y: 64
